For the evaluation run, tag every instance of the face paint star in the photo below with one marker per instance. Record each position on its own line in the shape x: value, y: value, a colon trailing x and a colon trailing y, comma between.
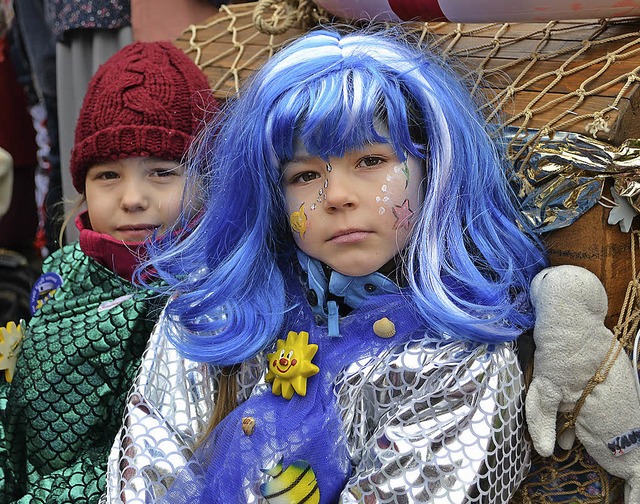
x: 403, y: 215
x: 298, y: 221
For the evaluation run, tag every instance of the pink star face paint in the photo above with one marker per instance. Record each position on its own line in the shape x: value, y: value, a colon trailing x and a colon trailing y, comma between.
x: 403, y: 215
x: 363, y: 206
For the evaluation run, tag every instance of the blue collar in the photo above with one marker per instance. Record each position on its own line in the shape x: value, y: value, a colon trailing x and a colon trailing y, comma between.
x: 354, y: 290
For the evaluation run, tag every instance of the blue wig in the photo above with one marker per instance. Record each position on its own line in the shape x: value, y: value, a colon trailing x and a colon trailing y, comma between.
x: 468, y: 264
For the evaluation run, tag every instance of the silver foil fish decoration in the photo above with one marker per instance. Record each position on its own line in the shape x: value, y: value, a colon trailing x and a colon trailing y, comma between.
x: 561, y: 176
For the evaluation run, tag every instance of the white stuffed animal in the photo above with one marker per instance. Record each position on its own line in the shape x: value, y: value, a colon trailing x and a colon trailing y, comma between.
x: 571, y: 342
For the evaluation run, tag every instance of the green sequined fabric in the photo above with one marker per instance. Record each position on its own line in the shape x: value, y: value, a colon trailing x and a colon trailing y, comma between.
x: 63, y: 408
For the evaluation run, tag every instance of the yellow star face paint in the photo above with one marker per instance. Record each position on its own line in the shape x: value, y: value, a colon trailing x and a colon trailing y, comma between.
x: 298, y: 221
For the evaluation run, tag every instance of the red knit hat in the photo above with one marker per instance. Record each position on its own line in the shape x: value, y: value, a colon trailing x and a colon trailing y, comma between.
x: 147, y: 100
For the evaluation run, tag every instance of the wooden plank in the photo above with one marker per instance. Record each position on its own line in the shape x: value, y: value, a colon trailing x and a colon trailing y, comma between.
x: 562, y: 30
x: 622, y: 123
x: 498, y: 71
x: 548, y: 106
x: 551, y: 50
x: 225, y: 54
x: 501, y: 73
x: 245, y: 35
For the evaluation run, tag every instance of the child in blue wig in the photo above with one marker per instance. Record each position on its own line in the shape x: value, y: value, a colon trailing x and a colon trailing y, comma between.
x: 344, y: 315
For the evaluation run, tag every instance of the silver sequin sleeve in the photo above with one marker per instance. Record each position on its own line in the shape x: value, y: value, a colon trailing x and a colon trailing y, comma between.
x: 437, y: 422
x: 169, y: 404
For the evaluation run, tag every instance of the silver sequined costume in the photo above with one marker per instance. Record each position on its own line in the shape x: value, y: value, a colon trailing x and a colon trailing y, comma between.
x: 422, y: 420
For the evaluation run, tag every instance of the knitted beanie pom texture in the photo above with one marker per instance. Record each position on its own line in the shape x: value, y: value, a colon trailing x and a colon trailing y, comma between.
x: 147, y: 100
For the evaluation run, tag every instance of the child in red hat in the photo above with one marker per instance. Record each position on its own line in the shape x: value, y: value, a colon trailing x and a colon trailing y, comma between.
x: 66, y: 388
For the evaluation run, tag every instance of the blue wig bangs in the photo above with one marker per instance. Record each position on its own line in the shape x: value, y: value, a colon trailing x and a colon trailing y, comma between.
x: 333, y: 103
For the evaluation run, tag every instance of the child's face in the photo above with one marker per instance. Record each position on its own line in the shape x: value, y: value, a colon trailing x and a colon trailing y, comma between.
x: 131, y: 198
x: 356, y: 212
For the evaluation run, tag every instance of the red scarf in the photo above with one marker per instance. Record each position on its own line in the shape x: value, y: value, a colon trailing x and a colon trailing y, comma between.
x: 120, y: 257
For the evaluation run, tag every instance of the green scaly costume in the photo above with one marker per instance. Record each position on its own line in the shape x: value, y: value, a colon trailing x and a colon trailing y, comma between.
x: 63, y: 408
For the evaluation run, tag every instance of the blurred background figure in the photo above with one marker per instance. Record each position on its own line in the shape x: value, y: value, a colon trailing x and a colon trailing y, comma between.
x: 18, y: 162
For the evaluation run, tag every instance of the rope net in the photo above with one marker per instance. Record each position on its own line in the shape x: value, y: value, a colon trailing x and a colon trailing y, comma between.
x: 556, y: 76
x: 578, y: 76
x: 230, y: 46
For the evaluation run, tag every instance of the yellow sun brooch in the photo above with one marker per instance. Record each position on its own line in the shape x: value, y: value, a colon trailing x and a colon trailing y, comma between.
x: 298, y: 221
x: 10, y: 342
x: 290, y: 365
